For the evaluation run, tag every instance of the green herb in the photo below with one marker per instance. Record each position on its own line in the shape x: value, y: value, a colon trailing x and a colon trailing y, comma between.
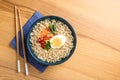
x: 47, y: 46
x: 53, y: 28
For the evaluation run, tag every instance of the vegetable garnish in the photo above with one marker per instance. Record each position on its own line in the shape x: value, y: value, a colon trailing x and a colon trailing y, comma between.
x: 48, y: 46
x: 42, y: 42
x: 53, y: 28
x: 45, y: 32
x: 46, y: 35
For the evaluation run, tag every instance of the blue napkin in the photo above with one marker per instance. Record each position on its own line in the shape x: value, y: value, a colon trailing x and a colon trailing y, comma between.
x: 26, y: 27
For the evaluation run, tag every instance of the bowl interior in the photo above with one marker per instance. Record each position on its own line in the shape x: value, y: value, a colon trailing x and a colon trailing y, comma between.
x: 31, y: 52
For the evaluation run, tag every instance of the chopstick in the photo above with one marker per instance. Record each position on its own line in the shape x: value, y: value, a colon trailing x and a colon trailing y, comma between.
x: 23, y: 42
x: 17, y: 41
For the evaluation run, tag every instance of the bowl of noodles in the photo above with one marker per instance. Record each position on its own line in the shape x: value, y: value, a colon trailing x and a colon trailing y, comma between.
x: 51, y: 40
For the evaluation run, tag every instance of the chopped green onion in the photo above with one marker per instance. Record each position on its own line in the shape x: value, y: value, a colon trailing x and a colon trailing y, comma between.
x: 47, y: 46
x: 53, y: 28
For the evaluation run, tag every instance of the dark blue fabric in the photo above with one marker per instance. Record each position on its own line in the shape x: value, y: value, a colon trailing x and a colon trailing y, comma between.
x: 26, y: 27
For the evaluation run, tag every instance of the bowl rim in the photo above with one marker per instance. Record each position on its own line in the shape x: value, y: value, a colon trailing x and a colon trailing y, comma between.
x: 31, y: 52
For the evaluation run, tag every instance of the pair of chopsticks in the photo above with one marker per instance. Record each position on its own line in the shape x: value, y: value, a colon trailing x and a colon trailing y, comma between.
x: 18, y: 22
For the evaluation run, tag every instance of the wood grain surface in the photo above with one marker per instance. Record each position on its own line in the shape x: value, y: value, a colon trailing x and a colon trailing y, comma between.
x: 97, y: 26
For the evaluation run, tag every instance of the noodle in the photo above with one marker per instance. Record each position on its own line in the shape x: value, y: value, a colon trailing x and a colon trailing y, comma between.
x: 53, y: 54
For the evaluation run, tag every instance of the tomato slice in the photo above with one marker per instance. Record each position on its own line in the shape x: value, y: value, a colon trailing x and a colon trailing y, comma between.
x: 39, y: 40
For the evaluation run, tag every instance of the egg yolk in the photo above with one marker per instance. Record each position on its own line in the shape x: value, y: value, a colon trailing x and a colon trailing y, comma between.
x: 56, y: 42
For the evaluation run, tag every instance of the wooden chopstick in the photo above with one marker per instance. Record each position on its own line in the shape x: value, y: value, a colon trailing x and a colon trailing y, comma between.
x: 17, y: 40
x: 23, y: 42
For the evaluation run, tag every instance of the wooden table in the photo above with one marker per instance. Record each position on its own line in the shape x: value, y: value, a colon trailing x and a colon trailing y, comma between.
x: 97, y: 25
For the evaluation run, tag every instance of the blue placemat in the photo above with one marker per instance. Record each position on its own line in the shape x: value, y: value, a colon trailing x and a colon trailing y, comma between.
x: 26, y: 27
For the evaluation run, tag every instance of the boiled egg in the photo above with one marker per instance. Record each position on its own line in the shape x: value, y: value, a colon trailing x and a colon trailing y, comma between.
x: 57, y: 41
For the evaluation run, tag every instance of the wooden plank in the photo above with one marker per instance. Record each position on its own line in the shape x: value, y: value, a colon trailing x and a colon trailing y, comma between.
x: 9, y: 74
x: 97, y: 56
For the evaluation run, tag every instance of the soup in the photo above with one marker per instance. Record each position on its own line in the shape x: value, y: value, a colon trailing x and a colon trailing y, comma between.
x: 51, y: 40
